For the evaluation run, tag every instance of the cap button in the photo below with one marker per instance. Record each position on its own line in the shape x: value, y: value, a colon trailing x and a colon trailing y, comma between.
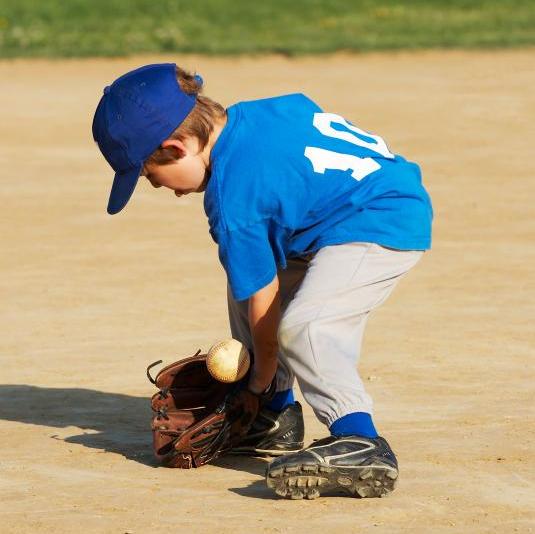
x: 106, y: 89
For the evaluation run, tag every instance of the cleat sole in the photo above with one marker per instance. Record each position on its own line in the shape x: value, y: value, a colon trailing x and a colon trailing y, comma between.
x: 309, y: 482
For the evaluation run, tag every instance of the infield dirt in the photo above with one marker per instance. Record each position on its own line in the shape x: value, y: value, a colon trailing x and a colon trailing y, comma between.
x: 89, y: 300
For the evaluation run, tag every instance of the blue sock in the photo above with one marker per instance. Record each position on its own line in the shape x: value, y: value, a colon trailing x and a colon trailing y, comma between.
x: 356, y: 423
x: 281, y: 400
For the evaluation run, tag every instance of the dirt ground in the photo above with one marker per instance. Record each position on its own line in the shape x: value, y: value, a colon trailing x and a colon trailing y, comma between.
x: 88, y: 300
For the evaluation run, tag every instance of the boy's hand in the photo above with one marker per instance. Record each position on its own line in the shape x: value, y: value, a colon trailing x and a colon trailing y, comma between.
x: 242, y: 407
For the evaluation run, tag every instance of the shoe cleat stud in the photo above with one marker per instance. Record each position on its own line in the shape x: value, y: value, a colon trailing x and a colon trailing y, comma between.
x: 312, y: 494
x: 364, y: 491
x: 281, y: 492
x: 309, y: 468
x: 296, y: 494
x: 292, y: 468
x: 365, y: 474
x: 344, y: 481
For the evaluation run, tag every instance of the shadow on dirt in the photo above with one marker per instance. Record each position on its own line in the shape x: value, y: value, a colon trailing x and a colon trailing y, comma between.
x: 247, y: 464
x: 256, y: 490
x: 111, y: 421
x: 255, y: 466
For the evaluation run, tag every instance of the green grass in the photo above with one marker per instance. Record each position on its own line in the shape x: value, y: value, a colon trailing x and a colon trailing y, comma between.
x: 74, y: 28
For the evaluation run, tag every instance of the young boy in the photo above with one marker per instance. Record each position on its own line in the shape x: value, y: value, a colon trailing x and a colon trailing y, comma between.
x: 316, y: 221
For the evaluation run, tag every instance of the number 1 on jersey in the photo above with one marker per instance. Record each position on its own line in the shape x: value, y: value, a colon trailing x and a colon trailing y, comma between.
x: 323, y: 159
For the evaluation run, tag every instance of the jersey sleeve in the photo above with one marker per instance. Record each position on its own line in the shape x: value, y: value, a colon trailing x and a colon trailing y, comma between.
x: 248, y: 259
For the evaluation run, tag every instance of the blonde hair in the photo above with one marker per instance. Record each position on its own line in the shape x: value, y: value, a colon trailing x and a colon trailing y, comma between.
x: 199, y: 123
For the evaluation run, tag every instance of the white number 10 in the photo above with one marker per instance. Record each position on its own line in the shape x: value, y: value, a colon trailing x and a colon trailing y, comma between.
x: 323, y: 159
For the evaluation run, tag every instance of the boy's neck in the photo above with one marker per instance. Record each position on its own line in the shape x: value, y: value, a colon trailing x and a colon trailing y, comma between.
x: 218, y: 128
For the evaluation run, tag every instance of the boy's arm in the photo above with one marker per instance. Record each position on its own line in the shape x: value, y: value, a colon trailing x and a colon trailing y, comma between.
x: 264, y: 317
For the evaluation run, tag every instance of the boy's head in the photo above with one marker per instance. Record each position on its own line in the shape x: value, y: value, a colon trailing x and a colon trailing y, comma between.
x: 149, y: 118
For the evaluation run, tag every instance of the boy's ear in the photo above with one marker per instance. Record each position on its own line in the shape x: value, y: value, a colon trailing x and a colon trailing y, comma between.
x: 176, y: 146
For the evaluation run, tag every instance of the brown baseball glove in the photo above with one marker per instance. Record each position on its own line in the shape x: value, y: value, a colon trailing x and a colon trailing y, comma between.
x: 197, y: 418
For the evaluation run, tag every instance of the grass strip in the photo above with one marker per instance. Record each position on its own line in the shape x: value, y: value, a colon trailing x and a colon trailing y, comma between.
x: 78, y: 28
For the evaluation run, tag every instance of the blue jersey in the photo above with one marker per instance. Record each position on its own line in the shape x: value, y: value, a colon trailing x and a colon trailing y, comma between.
x: 288, y: 179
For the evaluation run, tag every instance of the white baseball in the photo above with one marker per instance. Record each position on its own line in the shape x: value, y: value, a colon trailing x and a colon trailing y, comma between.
x: 228, y: 360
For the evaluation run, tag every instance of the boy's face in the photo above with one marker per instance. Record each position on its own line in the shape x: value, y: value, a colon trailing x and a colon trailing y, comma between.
x: 186, y: 174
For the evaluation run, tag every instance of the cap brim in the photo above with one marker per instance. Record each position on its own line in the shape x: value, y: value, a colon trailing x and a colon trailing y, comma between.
x: 122, y: 189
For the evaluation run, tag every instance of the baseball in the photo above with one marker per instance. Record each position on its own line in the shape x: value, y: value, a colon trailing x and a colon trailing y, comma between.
x: 228, y: 360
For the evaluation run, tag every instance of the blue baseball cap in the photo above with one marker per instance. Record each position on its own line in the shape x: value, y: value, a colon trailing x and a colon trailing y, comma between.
x: 136, y: 113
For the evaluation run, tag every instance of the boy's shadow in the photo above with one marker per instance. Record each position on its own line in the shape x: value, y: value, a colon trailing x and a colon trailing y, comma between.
x: 253, y: 465
x: 112, y: 422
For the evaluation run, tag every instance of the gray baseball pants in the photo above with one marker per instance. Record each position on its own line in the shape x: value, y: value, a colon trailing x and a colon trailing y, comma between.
x: 325, y: 303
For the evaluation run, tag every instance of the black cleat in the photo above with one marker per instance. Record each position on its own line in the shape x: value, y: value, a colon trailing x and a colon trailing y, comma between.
x: 362, y: 467
x: 274, y: 433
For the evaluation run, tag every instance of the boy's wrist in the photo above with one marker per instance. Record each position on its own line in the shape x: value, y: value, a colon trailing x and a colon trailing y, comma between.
x: 266, y: 393
x: 258, y: 386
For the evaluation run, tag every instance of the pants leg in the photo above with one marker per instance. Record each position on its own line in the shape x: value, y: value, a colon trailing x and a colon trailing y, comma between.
x: 289, y: 281
x: 322, y: 326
